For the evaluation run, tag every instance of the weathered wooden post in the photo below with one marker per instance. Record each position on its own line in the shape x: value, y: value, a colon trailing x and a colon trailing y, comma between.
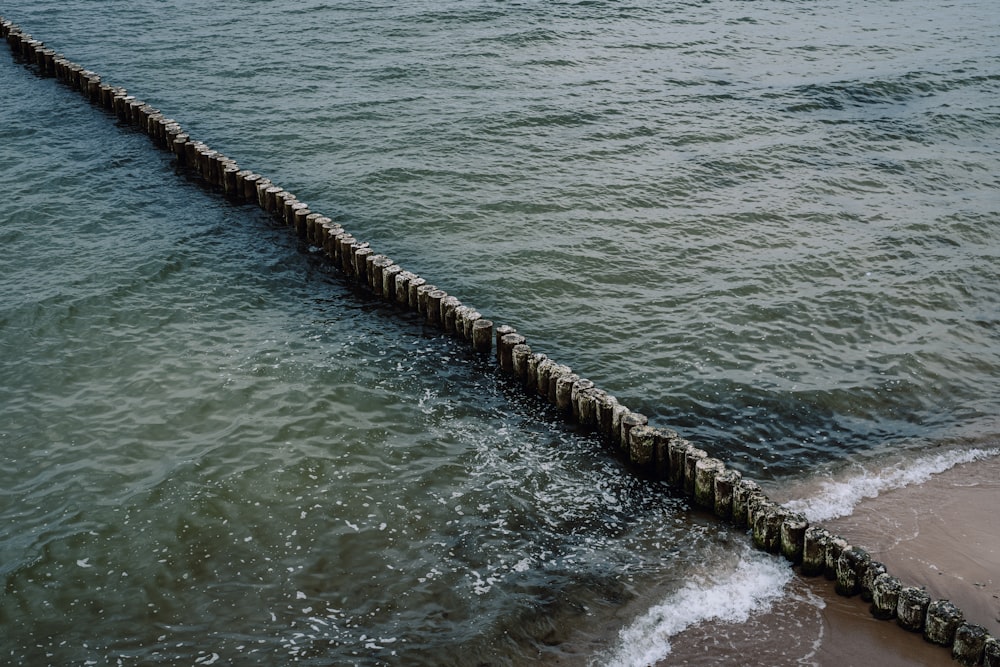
x: 505, y: 347
x: 991, y: 652
x: 867, y: 583
x: 885, y: 596
x: 970, y: 642
x: 519, y: 355
x: 433, y: 311
x: 389, y: 274
x: 725, y: 485
x: 793, y: 532
x: 691, y: 458
x: 835, y: 546
x: 564, y: 392
x: 705, y: 472
x: 661, y: 446
x: 629, y: 420
x: 482, y: 336
x: 580, y: 386
x: 640, y: 450
x: 941, y: 622
x: 743, y: 492
x: 677, y: 451
x: 912, y: 608
x: 850, y: 564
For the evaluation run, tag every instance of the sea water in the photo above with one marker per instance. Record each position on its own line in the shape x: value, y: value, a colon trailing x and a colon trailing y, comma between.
x: 772, y: 226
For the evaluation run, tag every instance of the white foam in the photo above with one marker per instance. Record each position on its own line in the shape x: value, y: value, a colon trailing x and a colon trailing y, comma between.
x: 839, y: 498
x: 731, y: 596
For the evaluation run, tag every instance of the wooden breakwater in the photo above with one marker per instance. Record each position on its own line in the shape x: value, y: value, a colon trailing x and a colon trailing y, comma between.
x: 659, y: 452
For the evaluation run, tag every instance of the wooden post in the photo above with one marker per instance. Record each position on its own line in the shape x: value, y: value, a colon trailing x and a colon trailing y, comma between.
x: 502, y: 331
x: 941, y: 622
x: 422, y: 292
x: 433, y: 307
x: 677, y: 451
x: 705, y: 472
x: 360, y: 257
x: 661, y: 453
x: 519, y: 356
x: 413, y: 298
x: 691, y: 458
x: 991, y: 653
x: 912, y: 608
x: 377, y: 279
x: 606, y: 416
x: 814, y: 551
x: 793, y: 532
x: 850, y: 565
x: 482, y: 336
x: 545, y: 368
x: 725, y: 486
x: 403, y: 279
x: 885, y: 596
x: 970, y: 642
x: 470, y: 320
x: 640, y: 445
x: 767, y: 518
x: 531, y: 374
x: 389, y: 274
x: 586, y: 405
x: 580, y: 385
x: 871, y: 572
x: 564, y: 391
x: 505, y: 350
x: 835, y: 546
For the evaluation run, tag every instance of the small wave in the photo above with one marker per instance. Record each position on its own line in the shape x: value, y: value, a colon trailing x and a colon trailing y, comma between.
x: 838, y: 498
x: 756, y: 583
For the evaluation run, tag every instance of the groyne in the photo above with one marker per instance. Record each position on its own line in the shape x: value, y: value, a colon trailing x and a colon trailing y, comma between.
x: 657, y: 451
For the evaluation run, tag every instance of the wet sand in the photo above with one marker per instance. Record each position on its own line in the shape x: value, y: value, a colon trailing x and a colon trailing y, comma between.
x: 943, y: 534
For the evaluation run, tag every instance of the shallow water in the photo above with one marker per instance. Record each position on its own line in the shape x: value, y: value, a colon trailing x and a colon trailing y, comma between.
x: 773, y: 227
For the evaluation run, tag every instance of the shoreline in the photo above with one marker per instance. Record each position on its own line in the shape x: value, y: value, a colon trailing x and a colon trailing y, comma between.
x: 942, y: 534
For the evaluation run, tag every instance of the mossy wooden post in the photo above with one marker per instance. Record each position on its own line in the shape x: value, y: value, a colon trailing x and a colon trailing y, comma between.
x: 941, y: 622
x: 814, y: 551
x: 911, y: 608
x: 744, y: 490
x: 691, y: 458
x: 793, y: 532
x: 377, y: 278
x: 969, y: 645
x: 470, y: 322
x: 640, y: 446
x: 850, y: 566
x: 725, y: 487
x: 885, y: 596
x: 835, y: 545
x: 870, y: 573
x: 766, y: 529
x: 705, y: 472
x: 991, y: 652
